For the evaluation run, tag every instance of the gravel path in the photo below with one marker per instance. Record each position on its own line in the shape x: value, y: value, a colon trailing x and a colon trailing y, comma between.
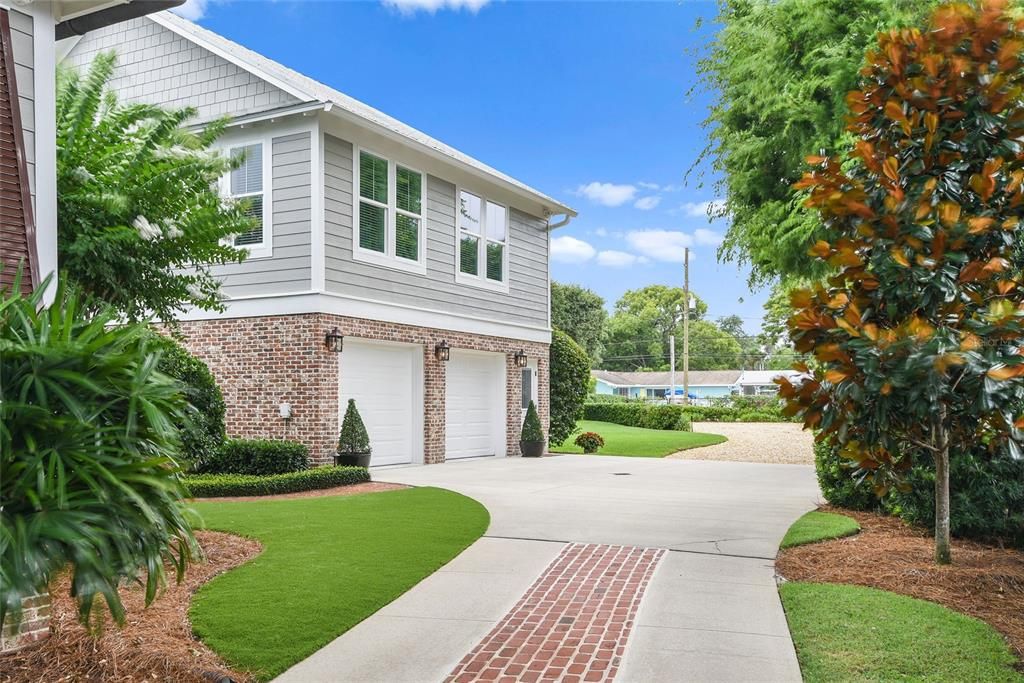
x: 774, y: 442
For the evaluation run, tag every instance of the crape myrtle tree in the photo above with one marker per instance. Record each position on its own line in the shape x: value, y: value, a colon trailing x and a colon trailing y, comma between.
x: 140, y: 220
x: 917, y: 336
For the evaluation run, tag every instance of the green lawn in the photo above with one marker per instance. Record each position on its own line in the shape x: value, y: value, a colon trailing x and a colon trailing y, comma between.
x: 819, y: 526
x: 644, y: 443
x: 327, y: 564
x: 851, y: 633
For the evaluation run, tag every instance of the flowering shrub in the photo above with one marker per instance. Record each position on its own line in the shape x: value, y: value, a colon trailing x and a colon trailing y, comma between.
x: 589, y: 442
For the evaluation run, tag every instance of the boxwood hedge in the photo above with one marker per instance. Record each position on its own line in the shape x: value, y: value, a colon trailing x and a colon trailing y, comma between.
x: 214, y: 485
x: 258, y: 456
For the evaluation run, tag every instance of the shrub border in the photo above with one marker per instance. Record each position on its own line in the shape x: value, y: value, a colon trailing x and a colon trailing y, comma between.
x: 218, y: 485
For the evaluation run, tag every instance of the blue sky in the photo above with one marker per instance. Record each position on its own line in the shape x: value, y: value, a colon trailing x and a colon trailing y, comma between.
x: 586, y: 101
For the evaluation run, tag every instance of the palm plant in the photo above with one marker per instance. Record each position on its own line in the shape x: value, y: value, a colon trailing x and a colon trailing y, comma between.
x: 88, y: 477
x: 140, y: 218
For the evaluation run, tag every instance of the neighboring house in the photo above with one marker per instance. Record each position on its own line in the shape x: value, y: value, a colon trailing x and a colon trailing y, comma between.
x: 28, y: 135
x: 704, y: 384
x: 431, y: 266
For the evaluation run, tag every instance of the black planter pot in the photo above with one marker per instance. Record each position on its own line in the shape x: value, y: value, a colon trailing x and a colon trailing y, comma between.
x: 352, y: 459
x: 531, y: 449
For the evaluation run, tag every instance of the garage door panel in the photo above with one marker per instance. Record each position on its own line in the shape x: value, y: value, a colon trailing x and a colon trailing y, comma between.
x: 473, y: 405
x: 382, y: 380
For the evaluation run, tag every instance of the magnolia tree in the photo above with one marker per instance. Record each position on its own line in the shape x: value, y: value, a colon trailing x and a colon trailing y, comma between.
x: 917, y: 336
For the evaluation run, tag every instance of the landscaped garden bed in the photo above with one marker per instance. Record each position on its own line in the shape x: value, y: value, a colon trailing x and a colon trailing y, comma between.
x: 639, y: 442
x: 947, y: 623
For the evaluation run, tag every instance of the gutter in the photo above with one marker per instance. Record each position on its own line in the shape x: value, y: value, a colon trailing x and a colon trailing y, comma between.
x: 82, y: 24
x: 560, y: 224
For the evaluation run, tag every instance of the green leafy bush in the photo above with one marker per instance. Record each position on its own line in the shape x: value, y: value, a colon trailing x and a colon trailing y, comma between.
x: 259, y: 457
x: 202, y: 427
x: 684, y: 424
x: 214, y: 485
x: 756, y: 416
x: 570, y: 380
x: 837, y: 482
x: 646, y: 415
x: 607, y: 398
x: 589, y: 442
x: 88, y: 479
x: 532, y: 428
x: 353, y: 438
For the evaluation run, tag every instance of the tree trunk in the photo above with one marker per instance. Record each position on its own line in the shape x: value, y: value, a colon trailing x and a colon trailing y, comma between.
x: 941, y: 438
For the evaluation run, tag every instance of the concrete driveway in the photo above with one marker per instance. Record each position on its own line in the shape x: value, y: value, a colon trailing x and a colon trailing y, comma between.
x: 710, y: 611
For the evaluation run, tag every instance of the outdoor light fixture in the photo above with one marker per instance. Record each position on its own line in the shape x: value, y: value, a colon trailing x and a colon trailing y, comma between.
x: 334, y: 341
x: 520, y: 358
x: 442, y: 352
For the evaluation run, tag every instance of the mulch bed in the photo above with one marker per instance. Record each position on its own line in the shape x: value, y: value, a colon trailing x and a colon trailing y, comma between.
x: 156, y: 643
x: 985, y: 582
x: 346, y: 490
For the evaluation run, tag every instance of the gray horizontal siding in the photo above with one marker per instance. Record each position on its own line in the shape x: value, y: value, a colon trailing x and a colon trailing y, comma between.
x: 24, y: 60
x: 288, y: 269
x: 526, y: 301
x: 157, y: 66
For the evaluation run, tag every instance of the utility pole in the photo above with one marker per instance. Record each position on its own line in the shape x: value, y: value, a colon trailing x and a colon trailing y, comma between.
x: 672, y: 368
x: 686, y: 326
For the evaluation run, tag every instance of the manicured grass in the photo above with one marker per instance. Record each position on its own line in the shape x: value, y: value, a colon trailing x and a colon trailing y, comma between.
x: 635, y: 441
x: 819, y: 526
x: 327, y: 564
x: 852, y: 633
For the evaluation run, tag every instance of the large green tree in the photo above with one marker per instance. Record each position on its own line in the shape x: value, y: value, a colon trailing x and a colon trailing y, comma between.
x: 643, y: 321
x: 580, y: 313
x: 919, y: 335
x: 781, y: 70
x: 140, y: 220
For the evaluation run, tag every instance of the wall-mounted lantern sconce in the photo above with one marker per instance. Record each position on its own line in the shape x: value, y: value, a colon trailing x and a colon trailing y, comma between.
x: 442, y: 352
x: 520, y: 358
x: 334, y: 341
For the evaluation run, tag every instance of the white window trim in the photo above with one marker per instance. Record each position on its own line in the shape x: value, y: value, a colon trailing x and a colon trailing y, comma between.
x: 389, y: 259
x: 480, y: 279
x: 264, y: 249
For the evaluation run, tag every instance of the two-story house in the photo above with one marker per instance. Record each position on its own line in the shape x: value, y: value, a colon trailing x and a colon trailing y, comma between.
x: 387, y: 267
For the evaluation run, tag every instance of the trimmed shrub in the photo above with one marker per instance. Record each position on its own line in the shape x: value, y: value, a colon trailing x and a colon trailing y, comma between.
x: 259, y: 457
x: 201, y: 428
x: 589, y: 442
x: 756, y: 416
x: 607, y: 398
x: 214, y: 485
x: 684, y: 424
x: 353, y: 438
x: 646, y: 415
x: 532, y: 428
x: 837, y: 482
x: 570, y: 381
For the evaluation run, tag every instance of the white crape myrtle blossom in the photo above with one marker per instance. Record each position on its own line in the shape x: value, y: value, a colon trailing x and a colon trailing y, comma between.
x: 173, y: 231
x: 147, y: 230
x: 82, y: 175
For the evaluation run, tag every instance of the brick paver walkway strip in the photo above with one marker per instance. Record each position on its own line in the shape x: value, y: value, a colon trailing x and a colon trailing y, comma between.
x: 572, y: 624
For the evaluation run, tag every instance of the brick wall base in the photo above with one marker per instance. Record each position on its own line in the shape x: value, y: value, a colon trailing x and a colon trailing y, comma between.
x: 262, y: 362
x: 33, y: 626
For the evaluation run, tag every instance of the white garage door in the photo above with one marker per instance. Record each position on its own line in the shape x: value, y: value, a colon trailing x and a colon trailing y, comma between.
x: 384, y: 380
x: 474, y: 405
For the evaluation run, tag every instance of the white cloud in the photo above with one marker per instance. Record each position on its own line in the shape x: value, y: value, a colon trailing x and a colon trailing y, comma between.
x: 608, y: 194
x: 660, y: 245
x: 703, y: 209
x: 193, y: 10
x: 571, y: 250
x: 707, y: 237
x: 432, y: 6
x: 647, y: 203
x: 601, y: 232
x: 649, y: 186
x: 618, y: 259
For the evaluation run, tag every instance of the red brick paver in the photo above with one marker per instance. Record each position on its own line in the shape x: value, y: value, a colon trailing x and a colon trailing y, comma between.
x: 573, y: 622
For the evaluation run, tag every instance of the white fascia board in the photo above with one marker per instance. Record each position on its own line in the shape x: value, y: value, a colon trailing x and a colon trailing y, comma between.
x: 302, y: 302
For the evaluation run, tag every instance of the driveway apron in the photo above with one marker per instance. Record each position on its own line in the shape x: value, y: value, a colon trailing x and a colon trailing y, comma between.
x: 594, y: 568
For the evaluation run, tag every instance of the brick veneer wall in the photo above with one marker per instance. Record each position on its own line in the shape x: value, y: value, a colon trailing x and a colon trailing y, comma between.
x: 263, y: 362
x: 33, y: 625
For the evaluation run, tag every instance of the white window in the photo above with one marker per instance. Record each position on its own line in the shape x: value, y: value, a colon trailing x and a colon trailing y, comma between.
x: 250, y: 183
x: 483, y: 241
x: 389, y: 218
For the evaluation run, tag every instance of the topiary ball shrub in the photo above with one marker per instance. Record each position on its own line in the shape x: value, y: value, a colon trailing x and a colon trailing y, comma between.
x: 259, y: 457
x: 683, y: 424
x: 201, y: 428
x: 570, y: 380
x: 589, y: 442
